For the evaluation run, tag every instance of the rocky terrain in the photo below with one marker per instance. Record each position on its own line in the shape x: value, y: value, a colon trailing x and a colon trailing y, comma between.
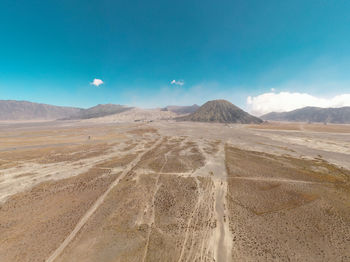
x: 312, y: 114
x: 221, y: 111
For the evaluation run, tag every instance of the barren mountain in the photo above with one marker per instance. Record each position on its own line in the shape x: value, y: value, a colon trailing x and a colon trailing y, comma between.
x: 221, y: 111
x: 312, y: 114
x: 100, y: 111
x: 136, y: 115
x: 24, y: 110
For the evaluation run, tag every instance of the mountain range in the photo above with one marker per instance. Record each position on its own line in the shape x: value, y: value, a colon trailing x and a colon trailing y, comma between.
x: 220, y: 111
x: 312, y: 114
x: 24, y: 110
x: 12, y: 110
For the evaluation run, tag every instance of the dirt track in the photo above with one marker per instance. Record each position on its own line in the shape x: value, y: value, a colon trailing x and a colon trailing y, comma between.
x: 171, y: 192
x: 96, y: 205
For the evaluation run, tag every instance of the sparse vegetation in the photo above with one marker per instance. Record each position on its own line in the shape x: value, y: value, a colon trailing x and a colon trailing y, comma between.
x: 288, y: 198
x: 183, y: 196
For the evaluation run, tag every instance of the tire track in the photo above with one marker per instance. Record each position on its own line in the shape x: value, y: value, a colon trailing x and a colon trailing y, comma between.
x: 268, y: 179
x: 98, y: 202
x: 222, y: 238
x: 190, y: 221
x: 153, y: 212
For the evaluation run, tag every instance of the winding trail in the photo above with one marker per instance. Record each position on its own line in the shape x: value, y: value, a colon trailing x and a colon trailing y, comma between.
x: 98, y: 202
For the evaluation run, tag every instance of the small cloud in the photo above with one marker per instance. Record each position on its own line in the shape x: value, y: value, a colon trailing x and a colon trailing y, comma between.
x: 177, y: 83
x: 97, y: 82
x: 273, y: 90
x: 287, y: 101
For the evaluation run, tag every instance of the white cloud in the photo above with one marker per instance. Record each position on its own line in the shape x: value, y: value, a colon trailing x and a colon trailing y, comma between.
x: 177, y: 83
x: 97, y: 82
x: 287, y: 101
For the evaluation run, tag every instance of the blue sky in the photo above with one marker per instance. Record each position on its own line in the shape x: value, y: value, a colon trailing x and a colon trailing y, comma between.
x: 51, y: 51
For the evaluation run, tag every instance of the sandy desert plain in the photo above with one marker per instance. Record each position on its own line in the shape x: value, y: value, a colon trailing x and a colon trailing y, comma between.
x: 174, y: 191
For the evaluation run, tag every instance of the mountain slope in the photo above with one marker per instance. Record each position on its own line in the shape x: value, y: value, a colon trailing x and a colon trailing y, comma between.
x: 221, y: 111
x: 24, y: 110
x: 100, y: 111
x: 312, y: 114
x: 136, y: 115
x: 181, y: 110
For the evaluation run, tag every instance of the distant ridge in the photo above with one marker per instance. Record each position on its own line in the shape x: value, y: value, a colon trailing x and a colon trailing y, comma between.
x: 181, y: 110
x: 12, y: 110
x: 221, y: 111
x: 312, y: 114
x: 100, y: 111
x: 23, y: 110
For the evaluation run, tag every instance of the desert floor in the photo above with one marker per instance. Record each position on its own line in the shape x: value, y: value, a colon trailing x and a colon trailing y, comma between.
x: 174, y: 191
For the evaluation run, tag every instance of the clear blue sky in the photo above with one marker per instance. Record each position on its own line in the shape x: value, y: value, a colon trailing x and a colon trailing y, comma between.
x: 50, y: 51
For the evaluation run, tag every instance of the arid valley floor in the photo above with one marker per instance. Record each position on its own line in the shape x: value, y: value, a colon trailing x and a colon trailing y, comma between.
x: 174, y: 191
